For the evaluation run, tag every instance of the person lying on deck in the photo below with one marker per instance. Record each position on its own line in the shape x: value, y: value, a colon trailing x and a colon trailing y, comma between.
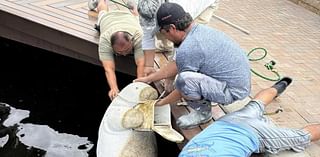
x: 120, y: 35
x: 247, y: 131
x: 211, y: 67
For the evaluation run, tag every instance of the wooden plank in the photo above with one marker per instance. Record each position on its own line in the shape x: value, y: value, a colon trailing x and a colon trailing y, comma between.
x: 80, y: 22
x: 46, y: 2
x: 217, y: 112
x: 43, y: 44
x: 27, y: 1
x: 50, y: 35
x: 78, y: 13
x: 61, y: 18
x: 34, y: 16
x: 74, y: 3
x: 45, y: 8
x: 82, y: 10
x: 39, y: 42
x: 79, y: 6
x: 34, y: 29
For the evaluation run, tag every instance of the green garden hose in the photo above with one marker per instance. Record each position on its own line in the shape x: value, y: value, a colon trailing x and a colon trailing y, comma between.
x: 270, y: 65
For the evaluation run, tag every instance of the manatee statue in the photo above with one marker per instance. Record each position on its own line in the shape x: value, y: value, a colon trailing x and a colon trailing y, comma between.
x: 127, y: 128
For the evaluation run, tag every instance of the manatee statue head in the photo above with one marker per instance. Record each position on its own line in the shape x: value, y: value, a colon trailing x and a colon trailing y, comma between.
x: 116, y: 136
x: 127, y: 99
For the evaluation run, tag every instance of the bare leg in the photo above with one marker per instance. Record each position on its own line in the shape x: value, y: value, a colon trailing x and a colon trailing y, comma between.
x: 102, y: 5
x: 266, y: 95
x: 314, y: 130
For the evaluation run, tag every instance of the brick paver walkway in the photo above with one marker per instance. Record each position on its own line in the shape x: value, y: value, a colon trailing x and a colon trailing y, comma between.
x: 291, y: 34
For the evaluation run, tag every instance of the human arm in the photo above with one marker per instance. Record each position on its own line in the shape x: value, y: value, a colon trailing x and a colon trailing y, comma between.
x: 132, y: 7
x: 138, y: 55
x: 106, y: 57
x: 109, y: 68
x: 167, y: 71
x: 140, y: 66
x: 149, y: 62
x: 173, y: 97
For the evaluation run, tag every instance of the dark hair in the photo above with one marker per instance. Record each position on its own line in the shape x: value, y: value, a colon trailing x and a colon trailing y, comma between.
x: 117, y: 35
x: 181, y: 24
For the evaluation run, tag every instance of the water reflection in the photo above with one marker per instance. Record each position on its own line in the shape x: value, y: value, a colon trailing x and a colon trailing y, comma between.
x: 19, y: 139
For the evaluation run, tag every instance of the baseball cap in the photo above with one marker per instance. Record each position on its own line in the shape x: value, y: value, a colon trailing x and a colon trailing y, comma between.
x: 169, y: 13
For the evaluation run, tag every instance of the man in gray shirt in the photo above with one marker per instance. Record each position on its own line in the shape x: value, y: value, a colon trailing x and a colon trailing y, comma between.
x: 152, y: 40
x: 211, y: 67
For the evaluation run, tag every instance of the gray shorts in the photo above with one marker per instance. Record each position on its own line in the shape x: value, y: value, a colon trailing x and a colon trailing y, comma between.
x: 272, y: 139
x: 194, y: 85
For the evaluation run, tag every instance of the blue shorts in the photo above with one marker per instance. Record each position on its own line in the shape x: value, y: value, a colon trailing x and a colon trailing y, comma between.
x: 272, y: 139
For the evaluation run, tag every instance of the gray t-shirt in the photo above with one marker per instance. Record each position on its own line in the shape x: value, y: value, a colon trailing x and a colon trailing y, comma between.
x: 213, y: 53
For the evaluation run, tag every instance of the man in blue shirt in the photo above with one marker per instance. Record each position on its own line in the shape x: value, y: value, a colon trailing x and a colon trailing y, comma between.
x: 211, y: 67
x: 247, y: 131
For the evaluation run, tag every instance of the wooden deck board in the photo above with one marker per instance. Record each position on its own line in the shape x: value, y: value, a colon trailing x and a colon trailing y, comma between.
x: 59, y: 16
x: 27, y: 1
x: 62, y: 15
x: 73, y: 3
x: 78, y: 13
x: 45, y: 19
x: 43, y: 2
x: 77, y: 6
x: 62, y: 31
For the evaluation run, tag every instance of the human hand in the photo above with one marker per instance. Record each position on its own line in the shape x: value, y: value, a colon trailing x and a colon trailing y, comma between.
x: 158, y: 103
x: 143, y: 79
x: 113, y: 93
x: 148, y: 70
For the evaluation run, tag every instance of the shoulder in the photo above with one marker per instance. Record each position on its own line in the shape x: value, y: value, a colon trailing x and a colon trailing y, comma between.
x: 203, y: 30
x: 137, y: 38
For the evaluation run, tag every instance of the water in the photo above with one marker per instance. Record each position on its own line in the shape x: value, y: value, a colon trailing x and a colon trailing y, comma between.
x: 68, y: 95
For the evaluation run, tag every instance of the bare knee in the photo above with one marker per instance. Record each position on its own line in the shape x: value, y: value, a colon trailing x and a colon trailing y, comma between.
x: 314, y: 130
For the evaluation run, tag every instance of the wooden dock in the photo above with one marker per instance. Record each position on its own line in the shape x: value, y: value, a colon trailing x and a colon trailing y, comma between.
x: 60, y: 26
x: 66, y: 27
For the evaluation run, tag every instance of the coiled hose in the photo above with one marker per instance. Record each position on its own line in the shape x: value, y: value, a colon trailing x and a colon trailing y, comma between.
x: 270, y: 65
